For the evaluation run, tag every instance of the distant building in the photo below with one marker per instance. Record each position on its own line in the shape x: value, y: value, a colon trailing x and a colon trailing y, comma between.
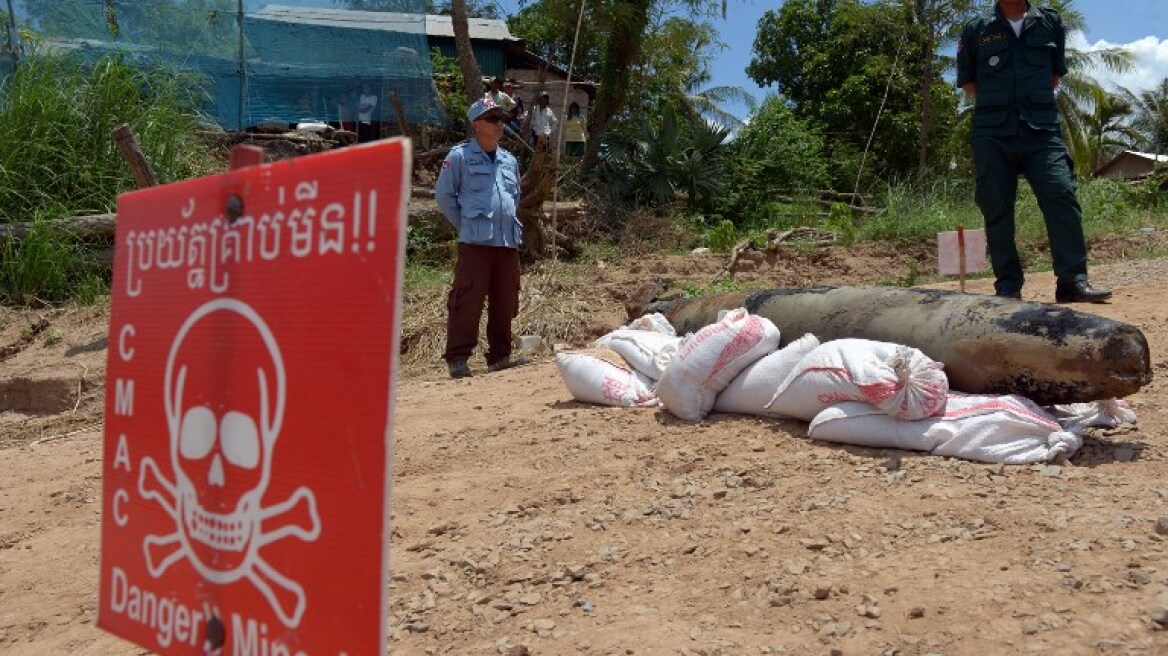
x: 1131, y: 165
x: 295, y: 62
x: 324, y: 54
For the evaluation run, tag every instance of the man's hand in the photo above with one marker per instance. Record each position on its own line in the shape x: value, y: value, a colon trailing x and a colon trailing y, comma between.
x: 970, y: 90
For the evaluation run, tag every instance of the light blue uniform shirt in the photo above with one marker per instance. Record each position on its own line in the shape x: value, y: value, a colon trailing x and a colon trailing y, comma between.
x: 479, y: 196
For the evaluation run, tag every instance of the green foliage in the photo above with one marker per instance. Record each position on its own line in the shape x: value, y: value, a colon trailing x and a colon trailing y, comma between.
x: 451, y: 87
x: 848, y: 66
x: 913, y: 215
x: 1152, y: 193
x: 46, y: 266
x: 549, y: 28
x: 425, y: 244
x: 56, y: 116
x: 675, y: 58
x: 423, y: 275
x: 52, y: 336
x: 775, y: 154
x: 841, y: 220
x: 664, y: 160
x: 720, y: 286
x: 722, y: 237
x: 1151, y: 117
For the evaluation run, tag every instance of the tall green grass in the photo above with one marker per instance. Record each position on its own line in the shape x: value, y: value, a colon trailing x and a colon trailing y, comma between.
x: 1109, y: 207
x: 56, y: 115
x: 46, y: 267
x: 58, y: 158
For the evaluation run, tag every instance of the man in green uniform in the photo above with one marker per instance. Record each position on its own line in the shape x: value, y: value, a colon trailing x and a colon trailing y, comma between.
x: 1011, y: 64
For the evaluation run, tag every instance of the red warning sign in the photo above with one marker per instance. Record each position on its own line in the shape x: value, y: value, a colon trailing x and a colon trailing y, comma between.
x: 248, y: 445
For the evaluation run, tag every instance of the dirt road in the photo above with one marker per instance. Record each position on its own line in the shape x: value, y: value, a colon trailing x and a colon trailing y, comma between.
x: 528, y: 523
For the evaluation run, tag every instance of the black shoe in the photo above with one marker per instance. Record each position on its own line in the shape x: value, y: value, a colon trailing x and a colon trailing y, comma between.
x: 459, y: 369
x: 1017, y: 296
x: 1079, y: 291
x: 507, y: 363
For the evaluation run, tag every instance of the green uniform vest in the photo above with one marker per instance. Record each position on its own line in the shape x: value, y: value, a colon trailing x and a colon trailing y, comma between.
x: 1013, y: 74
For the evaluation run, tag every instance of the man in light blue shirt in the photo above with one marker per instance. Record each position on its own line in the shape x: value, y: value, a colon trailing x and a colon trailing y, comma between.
x: 478, y: 191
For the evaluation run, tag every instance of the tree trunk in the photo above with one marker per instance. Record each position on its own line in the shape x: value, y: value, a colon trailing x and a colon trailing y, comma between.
x: 534, y: 188
x: 624, y: 47
x: 926, y: 105
x: 472, y: 76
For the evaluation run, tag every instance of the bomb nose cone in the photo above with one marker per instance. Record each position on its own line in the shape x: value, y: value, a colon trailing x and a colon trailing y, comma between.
x: 1128, y: 359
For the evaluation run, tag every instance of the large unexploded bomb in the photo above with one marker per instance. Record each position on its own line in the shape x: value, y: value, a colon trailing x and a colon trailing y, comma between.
x: 1048, y: 353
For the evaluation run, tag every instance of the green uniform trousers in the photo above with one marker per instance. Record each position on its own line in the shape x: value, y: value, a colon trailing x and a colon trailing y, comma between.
x: 1041, y: 156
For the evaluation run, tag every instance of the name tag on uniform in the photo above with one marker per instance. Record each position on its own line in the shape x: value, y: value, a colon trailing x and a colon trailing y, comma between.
x: 993, y: 37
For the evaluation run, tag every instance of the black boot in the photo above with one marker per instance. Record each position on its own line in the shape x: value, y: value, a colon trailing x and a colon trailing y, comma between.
x: 1079, y: 291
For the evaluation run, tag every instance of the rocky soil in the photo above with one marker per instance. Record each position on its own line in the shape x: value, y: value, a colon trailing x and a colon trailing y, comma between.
x: 527, y: 523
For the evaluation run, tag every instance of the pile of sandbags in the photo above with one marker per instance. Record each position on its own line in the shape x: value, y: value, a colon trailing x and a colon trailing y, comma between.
x: 900, y: 381
x: 623, y: 366
x: 1009, y: 429
x: 711, y: 359
x: 852, y: 391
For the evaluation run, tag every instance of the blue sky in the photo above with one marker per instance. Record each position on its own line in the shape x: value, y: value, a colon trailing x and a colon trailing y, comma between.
x: 1140, y: 24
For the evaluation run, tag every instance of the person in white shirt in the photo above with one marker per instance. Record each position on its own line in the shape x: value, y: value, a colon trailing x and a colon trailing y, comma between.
x: 518, y: 112
x: 501, y: 99
x: 366, y: 104
x: 543, y: 121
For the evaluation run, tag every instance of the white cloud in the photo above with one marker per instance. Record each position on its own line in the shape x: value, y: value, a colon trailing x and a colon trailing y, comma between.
x: 1150, y: 66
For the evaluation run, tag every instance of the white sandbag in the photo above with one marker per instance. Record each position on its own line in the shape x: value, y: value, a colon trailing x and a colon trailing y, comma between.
x: 751, y: 390
x: 1097, y: 414
x: 713, y: 357
x: 655, y: 322
x: 601, y: 376
x: 901, y: 381
x: 649, y: 352
x: 1007, y: 429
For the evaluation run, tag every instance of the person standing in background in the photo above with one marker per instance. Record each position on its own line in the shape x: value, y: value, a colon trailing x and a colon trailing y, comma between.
x: 1010, y: 64
x: 575, y: 131
x: 500, y: 97
x: 366, y: 104
x: 543, y: 121
x: 518, y: 112
x: 478, y: 191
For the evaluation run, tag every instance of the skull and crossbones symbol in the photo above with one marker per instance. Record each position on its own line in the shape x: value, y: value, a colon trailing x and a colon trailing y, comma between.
x: 224, y: 396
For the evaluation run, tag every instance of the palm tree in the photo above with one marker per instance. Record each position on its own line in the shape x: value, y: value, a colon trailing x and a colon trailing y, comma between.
x: 1078, y: 90
x: 709, y: 104
x: 1106, y: 129
x: 1151, y: 117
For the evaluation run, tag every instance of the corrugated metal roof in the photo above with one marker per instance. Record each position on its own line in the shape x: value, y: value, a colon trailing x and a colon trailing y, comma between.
x: 480, y: 28
x: 1151, y: 156
x: 357, y: 20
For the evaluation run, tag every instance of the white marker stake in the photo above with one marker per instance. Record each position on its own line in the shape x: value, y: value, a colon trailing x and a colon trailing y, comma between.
x: 961, y: 252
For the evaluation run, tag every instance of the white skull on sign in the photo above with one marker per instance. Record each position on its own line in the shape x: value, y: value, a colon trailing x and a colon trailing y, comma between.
x: 224, y: 394
x: 225, y: 401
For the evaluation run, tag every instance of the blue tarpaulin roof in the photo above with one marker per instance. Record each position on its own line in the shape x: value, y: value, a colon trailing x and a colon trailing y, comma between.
x: 297, y: 59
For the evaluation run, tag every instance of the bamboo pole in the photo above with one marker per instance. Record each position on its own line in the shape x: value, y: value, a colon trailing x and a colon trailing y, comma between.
x: 560, y: 133
x: 11, y: 32
x: 242, y: 66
